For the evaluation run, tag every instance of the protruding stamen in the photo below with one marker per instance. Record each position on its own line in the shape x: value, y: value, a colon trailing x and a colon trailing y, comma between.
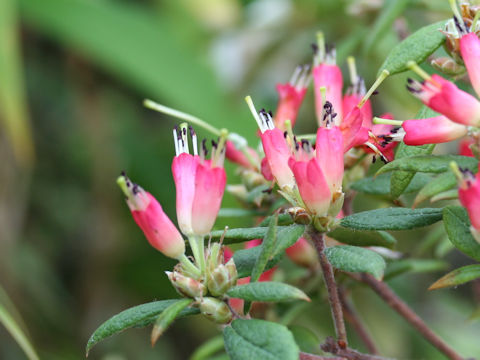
x: 352, y: 69
x: 183, y: 130
x: 377, y: 152
x: 457, y: 16
x: 323, y: 95
x: 267, y: 119
x: 321, y: 52
x: 181, y: 115
x: 377, y: 120
x: 218, y: 151
x: 385, y: 73
x: 473, y: 28
x: 296, y: 75
x: 193, y: 135
x: 175, y: 141
x: 257, y: 118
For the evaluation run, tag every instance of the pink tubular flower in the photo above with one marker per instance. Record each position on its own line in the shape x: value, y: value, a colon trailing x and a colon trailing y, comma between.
x: 469, y: 196
x: 312, y: 185
x: 291, y: 96
x: 433, y: 130
x: 330, y: 77
x: 446, y: 98
x: 199, y: 183
x: 209, y: 187
x: 470, y: 50
x: 149, y: 216
x: 329, y: 155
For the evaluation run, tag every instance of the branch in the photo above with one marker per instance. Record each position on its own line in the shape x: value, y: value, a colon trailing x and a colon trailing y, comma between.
x: 335, y: 305
x: 402, y: 308
x: 332, y: 347
x: 352, y: 317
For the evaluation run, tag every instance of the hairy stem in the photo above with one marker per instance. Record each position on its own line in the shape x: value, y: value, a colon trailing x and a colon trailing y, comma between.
x: 352, y: 317
x: 335, y: 305
x: 307, y: 356
x: 332, y: 347
x: 408, y: 314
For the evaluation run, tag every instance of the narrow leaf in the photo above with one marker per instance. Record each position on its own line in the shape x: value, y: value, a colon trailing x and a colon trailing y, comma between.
x: 457, y: 277
x: 362, y: 238
x: 226, y: 212
x: 392, y: 219
x: 356, y: 259
x: 14, y: 329
x: 245, y: 260
x: 141, y: 315
x: 208, y: 348
x: 283, y: 219
x: 286, y: 237
x: 267, y: 249
x: 417, y: 47
x: 166, y: 317
x: 429, y: 164
x: 233, y: 236
x: 457, y: 225
x: 416, y: 266
x: 446, y: 195
x: 259, y: 340
x: 438, y: 185
x: 267, y: 291
x: 380, y: 185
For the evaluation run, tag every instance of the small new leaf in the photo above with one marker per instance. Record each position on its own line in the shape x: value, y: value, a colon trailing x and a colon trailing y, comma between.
x: 457, y: 277
x: 267, y: 291
x: 166, y: 318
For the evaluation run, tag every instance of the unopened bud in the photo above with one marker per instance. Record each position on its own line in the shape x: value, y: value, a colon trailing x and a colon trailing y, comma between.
x: 448, y: 66
x: 186, y: 286
x: 222, y: 278
x: 215, y: 310
x: 214, y: 256
x: 300, y: 215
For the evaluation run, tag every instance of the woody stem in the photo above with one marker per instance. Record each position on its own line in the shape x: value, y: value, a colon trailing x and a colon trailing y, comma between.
x: 335, y: 304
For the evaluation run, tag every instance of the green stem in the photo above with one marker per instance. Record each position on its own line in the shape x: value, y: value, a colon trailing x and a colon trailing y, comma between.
x: 181, y: 115
x: 187, y: 265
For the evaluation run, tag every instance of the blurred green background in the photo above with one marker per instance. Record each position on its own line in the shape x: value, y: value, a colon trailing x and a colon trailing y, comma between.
x: 73, y: 74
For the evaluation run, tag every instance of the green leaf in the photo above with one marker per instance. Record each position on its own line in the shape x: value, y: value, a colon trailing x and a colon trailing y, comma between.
x: 267, y: 291
x: 141, y: 315
x: 267, y: 249
x: 283, y: 219
x: 417, y: 47
x: 305, y: 338
x: 245, y: 260
x: 446, y: 195
x: 457, y: 225
x: 233, y: 236
x: 286, y: 237
x: 457, y: 277
x: 259, y: 340
x: 356, y: 259
x: 384, y: 21
x: 438, y: 185
x: 166, y: 317
x: 392, y: 219
x: 363, y: 238
x: 402, y: 266
x: 380, y: 185
x: 208, y: 348
x: 7, y: 320
x: 429, y: 164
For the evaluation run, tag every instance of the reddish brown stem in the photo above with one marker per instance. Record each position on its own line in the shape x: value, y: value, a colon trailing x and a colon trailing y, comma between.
x: 335, y: 305
x: 352, y: 317
x: 408, y: 314
x: 332, y: 347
